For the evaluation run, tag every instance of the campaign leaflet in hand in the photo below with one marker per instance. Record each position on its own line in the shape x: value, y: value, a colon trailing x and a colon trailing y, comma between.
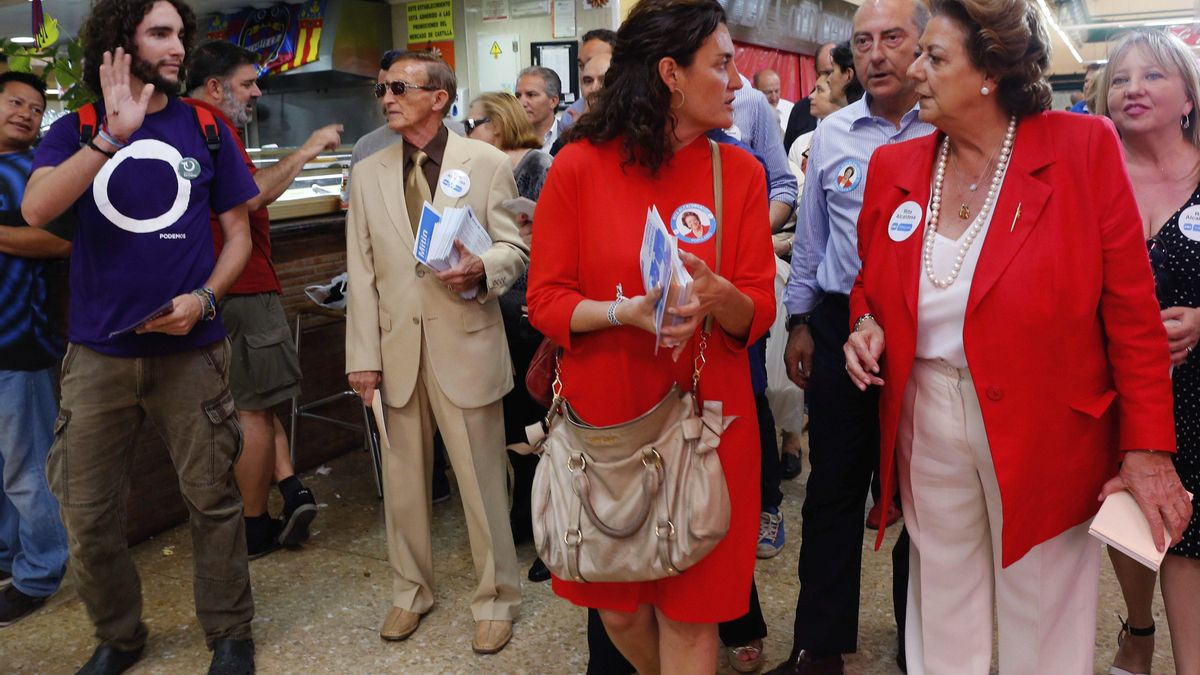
x: 163, y: 310
x: 662, y: 269
x: 436, y: 235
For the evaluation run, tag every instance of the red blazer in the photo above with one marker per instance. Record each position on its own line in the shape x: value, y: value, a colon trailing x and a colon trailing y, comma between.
x: 1061, y: 319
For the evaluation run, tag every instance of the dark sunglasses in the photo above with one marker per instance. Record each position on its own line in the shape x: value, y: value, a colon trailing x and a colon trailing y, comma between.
x: 399, y: 87
x: 470, y: 125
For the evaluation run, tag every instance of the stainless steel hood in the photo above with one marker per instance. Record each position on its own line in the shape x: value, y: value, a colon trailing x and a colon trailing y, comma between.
x: 355, y: 35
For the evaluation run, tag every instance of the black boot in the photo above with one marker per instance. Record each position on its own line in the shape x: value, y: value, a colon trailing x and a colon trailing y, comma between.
x: 232, y: 657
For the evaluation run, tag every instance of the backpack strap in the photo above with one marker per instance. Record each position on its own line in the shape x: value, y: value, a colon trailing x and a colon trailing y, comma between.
x: 88, y: 124
x: 208, y: 127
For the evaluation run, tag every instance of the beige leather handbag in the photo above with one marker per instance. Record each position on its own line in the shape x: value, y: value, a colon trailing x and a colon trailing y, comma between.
x: 637, y: 501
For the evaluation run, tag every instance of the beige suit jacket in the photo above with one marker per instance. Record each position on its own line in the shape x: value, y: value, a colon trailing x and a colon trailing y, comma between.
x: 393, y: 301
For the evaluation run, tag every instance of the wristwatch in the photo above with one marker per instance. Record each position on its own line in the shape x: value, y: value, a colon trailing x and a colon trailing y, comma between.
x: 801, y: 319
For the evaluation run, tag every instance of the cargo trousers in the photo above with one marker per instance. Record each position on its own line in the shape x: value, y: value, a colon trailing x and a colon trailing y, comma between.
x: 186, y: 398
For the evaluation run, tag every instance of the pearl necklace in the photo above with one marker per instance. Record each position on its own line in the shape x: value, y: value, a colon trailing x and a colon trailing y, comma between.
x: 935, y: 207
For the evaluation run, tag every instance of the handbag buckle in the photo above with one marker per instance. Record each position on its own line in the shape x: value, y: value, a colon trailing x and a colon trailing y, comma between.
x: 658, y: 530
x: 650, y: 457
x: 572, y: 467
x: 578, y: 537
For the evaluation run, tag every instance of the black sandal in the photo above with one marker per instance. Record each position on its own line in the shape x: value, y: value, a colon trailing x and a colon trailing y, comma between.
x: 1127, y: 630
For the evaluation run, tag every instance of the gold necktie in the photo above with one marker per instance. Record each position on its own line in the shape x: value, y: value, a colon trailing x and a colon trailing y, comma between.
x: 416, y: 189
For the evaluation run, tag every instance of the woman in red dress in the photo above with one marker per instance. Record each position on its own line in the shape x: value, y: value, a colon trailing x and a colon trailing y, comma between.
x: 672, y: 79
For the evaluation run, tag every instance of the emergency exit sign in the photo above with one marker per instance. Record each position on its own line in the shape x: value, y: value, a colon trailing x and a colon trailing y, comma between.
x: 430, y: 21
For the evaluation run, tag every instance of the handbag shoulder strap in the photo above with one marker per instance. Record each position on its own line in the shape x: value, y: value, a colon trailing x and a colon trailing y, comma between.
x: 719, y: 206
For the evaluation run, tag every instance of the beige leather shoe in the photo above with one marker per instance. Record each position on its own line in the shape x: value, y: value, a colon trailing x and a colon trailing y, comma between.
x: 399, y: 624
x: 491, y: 636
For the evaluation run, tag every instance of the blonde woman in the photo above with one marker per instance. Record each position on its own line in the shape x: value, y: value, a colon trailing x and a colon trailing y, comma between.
x: 1149, y: 90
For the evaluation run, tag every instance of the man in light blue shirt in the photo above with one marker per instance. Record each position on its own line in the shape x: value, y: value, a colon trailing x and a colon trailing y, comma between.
x: 843, y: 422
x: 754, y: 124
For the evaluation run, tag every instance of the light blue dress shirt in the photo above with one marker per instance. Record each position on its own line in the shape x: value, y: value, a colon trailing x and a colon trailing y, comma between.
x: 825, y: 250
x: 757, y: 127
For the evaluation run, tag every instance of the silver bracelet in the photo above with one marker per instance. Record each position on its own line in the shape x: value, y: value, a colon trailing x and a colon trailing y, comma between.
x: 858, y: 324
x: 612, y: 309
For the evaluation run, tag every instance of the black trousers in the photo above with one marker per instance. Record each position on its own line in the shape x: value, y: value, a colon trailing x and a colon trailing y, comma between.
x: 843, y: 438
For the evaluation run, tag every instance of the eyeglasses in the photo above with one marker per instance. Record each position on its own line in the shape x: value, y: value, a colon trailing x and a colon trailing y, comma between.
x: 399, y: 87
x: 471, y: 125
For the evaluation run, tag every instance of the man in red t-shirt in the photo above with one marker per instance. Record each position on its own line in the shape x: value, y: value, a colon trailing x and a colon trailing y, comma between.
x: 265, y: 371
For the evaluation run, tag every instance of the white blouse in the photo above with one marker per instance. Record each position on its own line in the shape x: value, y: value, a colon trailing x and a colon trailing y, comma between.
x: 941, y: 311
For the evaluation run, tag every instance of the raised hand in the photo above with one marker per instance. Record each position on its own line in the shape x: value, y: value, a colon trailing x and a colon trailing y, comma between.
x: 324, y: 139
x: 124, y: 109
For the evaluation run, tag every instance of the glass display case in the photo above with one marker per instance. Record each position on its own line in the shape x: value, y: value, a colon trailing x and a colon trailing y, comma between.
x: 316, y: 191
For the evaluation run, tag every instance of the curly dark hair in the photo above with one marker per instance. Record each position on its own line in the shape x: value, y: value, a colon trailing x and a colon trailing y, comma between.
x: 635, y: 104
x: 1006, y: 41
x: 113, y: 23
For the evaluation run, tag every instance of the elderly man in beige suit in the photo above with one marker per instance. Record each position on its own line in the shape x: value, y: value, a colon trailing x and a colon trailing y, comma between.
x: 439, y: 361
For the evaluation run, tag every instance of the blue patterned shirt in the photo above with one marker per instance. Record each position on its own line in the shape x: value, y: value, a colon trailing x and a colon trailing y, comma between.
x: 27, y: 341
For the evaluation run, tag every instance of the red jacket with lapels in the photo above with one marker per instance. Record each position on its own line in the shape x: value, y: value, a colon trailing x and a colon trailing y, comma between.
x: 1062, y: 330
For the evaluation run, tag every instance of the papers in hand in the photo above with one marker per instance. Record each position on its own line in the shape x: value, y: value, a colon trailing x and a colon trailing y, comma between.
x: 662, y: 269
x: 436, y: 235
x: 1121, y: 524
x: 163, y: 310
x: 380, y: 419
x: 520, y: 205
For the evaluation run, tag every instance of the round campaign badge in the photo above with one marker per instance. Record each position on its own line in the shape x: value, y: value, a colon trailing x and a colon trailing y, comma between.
x: 189, y: 168
x: 904, y: 221
x: 1189, y: 223
x: 693, y: 223
x: 849, y: 176
x: 143, y: 149
x: 455, y: 183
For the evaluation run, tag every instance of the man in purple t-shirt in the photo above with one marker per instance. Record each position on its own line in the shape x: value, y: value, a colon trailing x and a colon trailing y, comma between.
x: 144, y: 340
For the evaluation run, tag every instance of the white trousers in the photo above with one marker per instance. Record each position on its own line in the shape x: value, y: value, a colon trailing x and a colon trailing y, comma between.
x: 1045, y: 602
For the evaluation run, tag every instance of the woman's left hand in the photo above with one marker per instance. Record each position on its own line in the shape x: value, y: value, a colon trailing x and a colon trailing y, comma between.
x: 709, y: 290
x: 1151, y: 478
x: 1183, y: 335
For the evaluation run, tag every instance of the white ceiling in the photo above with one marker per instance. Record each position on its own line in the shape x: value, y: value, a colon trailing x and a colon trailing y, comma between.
x: 1070, y: 13
x: 15, y: 19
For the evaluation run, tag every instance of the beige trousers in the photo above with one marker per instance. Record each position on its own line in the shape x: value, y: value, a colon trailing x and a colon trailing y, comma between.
x: 1045, y: 603
x: 475, y: 447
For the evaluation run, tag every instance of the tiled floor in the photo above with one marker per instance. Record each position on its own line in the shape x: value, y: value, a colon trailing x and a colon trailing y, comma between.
x: 318, y: 610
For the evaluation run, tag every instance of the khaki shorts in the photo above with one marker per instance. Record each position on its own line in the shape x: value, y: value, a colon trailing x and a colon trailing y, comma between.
x: 265, y: 369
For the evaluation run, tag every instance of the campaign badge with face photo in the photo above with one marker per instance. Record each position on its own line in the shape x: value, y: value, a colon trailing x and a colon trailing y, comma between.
x: 455, y: 183
x: 849, y: 176
x: 1189, y: 223
x: 693, y: 223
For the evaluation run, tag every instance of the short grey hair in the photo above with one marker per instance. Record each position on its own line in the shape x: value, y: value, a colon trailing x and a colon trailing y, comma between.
x: 920, y: 15
x: 553, y: 83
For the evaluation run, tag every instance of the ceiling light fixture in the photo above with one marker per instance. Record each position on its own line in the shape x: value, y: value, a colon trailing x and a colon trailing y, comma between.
x: 23, y: 40
x: 1180, y: 21
x: 1049, y: 19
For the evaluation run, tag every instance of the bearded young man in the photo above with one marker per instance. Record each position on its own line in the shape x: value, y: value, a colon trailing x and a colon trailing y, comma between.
x: 144, y: 340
